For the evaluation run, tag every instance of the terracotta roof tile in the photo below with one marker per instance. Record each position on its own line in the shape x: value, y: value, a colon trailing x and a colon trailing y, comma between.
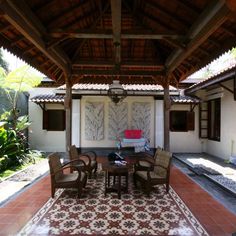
x: 134, y: 87
x: 219, y: 73
x: 184, y: 99
x: 49, y: 98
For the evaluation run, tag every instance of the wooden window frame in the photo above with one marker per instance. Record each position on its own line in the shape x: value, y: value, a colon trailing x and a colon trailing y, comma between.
x: 46, y: 117
x: 189, y: 118
x: 217, y: 123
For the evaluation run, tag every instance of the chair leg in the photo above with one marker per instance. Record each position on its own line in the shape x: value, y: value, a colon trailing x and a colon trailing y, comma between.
x: 148, y: 189
x: 135, y: 181
x: 90, y: 174
x: 85, y: 181
x: 167, y: 187
x: 80, y: 191
x: 52, y: 191
x: 95, y: 169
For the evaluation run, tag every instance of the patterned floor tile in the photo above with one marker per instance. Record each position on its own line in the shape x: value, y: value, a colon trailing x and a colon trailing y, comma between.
x: 95, y: 214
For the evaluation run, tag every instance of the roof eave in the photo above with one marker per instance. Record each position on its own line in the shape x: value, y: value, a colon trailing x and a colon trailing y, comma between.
x: 226, y: 75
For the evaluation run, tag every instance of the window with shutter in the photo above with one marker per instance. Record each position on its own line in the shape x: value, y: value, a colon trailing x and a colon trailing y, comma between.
x: 214, y: 113
x: 181, y: 121
x: 54, y: 120
x: 190, y: 120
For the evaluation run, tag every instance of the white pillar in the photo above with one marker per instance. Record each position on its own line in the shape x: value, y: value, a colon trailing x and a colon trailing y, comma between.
x: 76, y: 122
x: 159, y: 123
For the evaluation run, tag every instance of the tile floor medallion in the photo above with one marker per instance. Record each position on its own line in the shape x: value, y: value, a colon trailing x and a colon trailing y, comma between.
x: 95, y: 214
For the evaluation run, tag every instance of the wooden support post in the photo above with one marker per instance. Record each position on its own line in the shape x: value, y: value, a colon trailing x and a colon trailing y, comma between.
x: 166, y: 115
x: 68, y: 104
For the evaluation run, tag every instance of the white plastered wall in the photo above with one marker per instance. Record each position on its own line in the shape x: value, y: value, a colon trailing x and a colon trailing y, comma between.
x: 49, y: 141
x: 186, y: 141
x: 227, y: 142
x: 106, y: 142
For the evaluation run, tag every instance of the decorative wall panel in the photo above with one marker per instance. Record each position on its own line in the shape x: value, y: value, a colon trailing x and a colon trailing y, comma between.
x: 141, y: 117
x: 118, y: 120
x: 94, y: 121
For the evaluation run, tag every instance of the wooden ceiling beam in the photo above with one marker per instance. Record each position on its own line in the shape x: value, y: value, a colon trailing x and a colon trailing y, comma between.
x: 108, y: 63
x: 116, y: 28
x: 174, y: 43
x: 17, y: 40
x: 121, y: 72
x: 166, y: 13
x: 208, y: 22
x: 5, y: 28
x: 22, y: 18
x: 229, y: 31
x: 18, y: 52
x: 107, y: 34
x: 193, y: 10
x: 139, y: 22
x: 227, y: 45
x: 92, y: 27
x: 65, y: 13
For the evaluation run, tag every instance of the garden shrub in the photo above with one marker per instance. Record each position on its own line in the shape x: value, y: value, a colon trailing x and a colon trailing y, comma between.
x: 3, y: 163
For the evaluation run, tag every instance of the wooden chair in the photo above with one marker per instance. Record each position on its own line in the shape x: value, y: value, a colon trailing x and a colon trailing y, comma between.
x: 60, y: 179
x: 145, y: 160
x: 160, y: 174
x: 89, y: 158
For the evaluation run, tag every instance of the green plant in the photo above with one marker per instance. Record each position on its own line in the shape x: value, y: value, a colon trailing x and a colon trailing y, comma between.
x: 20, y: 80
x: 13, y: 142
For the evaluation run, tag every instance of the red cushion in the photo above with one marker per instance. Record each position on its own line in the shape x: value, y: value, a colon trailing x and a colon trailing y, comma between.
x: 133, y: 133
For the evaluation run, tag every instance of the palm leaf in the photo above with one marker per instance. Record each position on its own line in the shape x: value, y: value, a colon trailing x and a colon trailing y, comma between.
x: 22, y: 79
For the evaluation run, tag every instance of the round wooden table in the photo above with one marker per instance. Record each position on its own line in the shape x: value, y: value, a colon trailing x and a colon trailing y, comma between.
x: 116, y: 171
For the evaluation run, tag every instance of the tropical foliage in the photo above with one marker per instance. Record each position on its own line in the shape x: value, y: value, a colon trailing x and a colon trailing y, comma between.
x: 14, y: 149
x: 20, y: 80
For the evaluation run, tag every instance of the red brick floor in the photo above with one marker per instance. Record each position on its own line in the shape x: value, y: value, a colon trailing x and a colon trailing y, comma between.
x: 216, y: 219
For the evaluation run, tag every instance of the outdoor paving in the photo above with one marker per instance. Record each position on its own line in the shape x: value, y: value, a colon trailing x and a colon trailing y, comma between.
x: 10, y: 187
x: 219, y: 193
x: 21, y: 179
x: 215, y: 169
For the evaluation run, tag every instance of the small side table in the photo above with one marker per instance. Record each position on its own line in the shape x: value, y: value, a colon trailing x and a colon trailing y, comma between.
x: 116, y: 171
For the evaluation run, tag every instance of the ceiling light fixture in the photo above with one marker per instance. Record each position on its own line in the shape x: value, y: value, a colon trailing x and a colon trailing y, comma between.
x: 116, y: 92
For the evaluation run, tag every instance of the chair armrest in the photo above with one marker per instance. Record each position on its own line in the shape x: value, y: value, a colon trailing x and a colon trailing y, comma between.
x: 75, y: 160
x: 148, y: 171
x: 67, y: 167
x: 163, y: 167
x: 144, y: 160
x: 91, y: 154
x: 80, y: 156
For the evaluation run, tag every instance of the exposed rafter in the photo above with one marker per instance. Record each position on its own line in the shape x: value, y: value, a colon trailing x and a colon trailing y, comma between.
x: 209, y: 21
x: 23, y: 19
x: 107, y: 34
x: 116, y: 27
x: 110, y: 63
x: 121, y: 72
x: 92, y: 27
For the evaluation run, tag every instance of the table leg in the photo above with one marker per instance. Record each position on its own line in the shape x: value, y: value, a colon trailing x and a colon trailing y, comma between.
x: 106, y: 175
x: 126, y: 186
x: 119, y: 186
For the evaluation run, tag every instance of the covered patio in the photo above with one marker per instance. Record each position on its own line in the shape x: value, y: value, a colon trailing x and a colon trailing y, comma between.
x: 23, y: 213
x: 138, y: 43
x: 132, y: 41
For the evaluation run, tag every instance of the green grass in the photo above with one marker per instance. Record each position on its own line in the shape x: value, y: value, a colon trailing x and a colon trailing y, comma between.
x: 14, y: 169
